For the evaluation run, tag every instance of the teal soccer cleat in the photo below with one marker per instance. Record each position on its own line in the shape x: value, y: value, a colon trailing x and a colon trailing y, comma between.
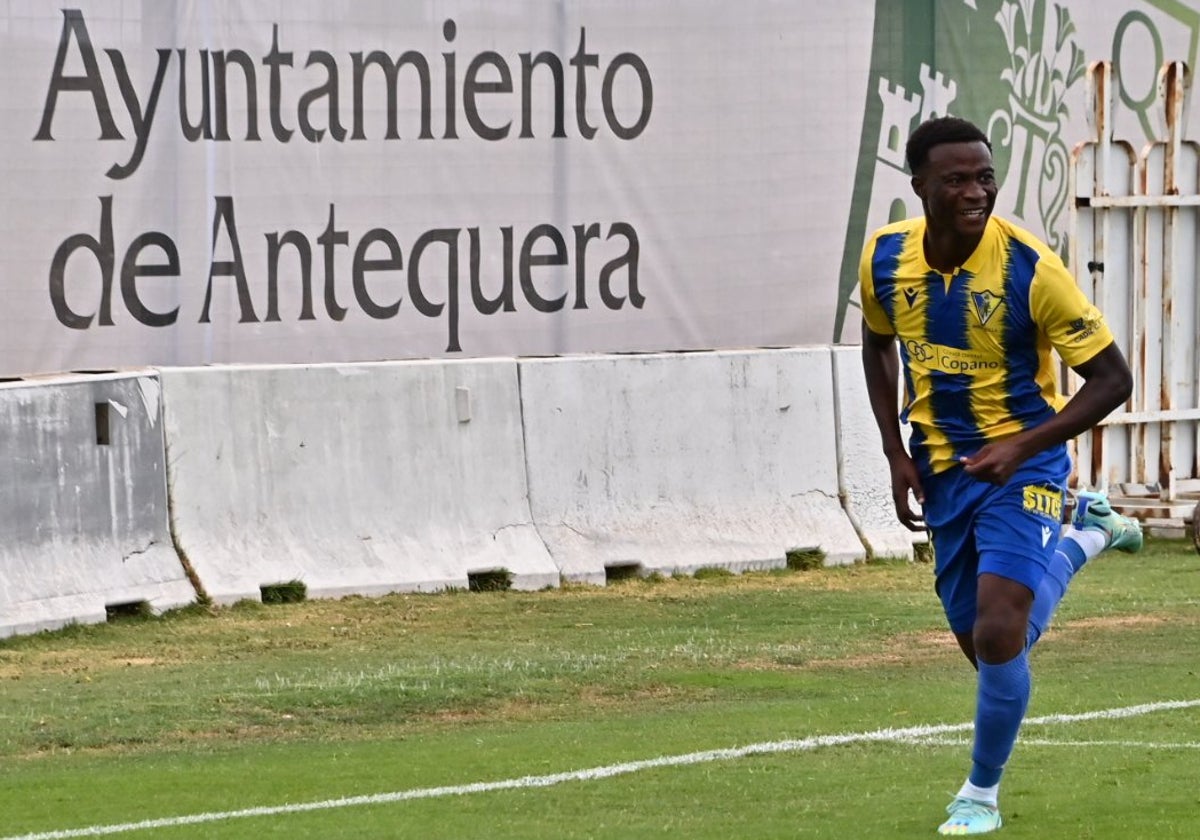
x: 1092, y: 511
x: 970, y: 817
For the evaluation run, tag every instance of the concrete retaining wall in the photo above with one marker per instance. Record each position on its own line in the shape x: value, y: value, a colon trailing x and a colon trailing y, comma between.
x: 674, y: 462
x: 372, y: 478
x: 83, y: 495
x: 358, y: 479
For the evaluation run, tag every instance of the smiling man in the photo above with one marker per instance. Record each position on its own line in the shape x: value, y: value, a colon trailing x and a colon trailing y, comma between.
x: 970, y: 306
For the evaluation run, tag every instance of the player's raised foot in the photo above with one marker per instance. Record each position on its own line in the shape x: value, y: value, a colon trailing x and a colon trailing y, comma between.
x: 970, y: 817
x: 1092, y: 511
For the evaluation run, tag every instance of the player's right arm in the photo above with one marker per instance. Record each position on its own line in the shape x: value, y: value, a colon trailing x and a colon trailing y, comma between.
x: 881, y: 366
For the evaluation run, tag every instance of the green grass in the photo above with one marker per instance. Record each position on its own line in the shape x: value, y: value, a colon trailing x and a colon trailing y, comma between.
x: 213, y: 710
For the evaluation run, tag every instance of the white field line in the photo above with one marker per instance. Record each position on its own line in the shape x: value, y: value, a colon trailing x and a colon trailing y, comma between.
x: 594, y: 773
x: 1046, y: 742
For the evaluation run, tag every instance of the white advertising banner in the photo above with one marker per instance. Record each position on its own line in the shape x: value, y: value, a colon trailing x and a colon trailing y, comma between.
x: 259, y: 181
x: 314, y: 181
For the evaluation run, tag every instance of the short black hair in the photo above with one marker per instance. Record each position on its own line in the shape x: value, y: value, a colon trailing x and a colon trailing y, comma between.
x: 937, y: 131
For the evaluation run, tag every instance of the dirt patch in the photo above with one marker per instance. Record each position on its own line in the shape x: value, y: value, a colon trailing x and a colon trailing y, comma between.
x: 1104, y: 622
x: 929, y: 645
x: 906, y: 647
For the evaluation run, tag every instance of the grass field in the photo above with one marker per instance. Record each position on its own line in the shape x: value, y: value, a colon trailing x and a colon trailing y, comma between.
x: 827, y: 703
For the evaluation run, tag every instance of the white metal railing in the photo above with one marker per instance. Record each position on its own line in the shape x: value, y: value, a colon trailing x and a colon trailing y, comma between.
x: 1133, y: 224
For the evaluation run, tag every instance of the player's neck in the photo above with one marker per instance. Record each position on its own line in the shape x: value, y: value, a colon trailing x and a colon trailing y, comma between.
x: 947, y: 251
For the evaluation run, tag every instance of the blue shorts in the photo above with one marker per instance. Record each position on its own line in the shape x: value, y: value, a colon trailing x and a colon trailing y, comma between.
x: 1010, y: 531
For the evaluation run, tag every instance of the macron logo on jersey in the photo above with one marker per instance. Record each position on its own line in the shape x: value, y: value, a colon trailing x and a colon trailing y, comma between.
x: 910, y: 295
x: 1045, y: 535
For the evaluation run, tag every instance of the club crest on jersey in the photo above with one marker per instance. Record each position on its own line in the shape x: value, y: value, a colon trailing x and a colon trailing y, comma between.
x: 1084, y: 328
x: 985, y: 303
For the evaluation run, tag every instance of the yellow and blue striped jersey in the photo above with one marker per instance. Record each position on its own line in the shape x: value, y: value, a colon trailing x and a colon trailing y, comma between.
x: 975, y: 345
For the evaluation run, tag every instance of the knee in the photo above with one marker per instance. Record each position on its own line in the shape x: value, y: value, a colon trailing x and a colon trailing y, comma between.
x: 1000, y: 633
x: 1002, y: 618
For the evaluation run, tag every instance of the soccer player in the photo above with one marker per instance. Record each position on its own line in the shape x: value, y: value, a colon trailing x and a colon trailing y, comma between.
x: 969, y: 306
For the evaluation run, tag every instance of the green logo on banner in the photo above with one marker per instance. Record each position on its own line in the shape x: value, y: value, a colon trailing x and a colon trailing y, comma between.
x: 1011, y: 67
x: 1007, y: 67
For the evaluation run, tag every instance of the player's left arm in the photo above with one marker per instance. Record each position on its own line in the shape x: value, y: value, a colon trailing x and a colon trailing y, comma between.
x: 1107, y: 383
x: 1079, y: 334
x: 1077, y: 331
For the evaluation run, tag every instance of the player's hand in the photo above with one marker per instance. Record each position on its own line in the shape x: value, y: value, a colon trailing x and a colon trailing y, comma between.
x: 995, y: 463
x: 905, y: 480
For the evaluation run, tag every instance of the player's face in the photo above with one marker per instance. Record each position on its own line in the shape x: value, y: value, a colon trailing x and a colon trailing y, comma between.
x: 957, y: 185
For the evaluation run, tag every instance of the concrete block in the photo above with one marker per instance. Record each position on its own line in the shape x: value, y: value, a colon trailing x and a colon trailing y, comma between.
x: 83, y: 507
x: 354, y: 479
x: 673, y: 462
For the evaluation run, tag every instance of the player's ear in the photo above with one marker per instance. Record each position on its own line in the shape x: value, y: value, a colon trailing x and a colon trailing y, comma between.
x: 918, y: 185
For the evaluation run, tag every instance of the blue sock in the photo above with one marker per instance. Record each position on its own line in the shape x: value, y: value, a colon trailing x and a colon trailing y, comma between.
x: 1073, y: 551
x: 1000, y: 705
x: 1051, y: 589
x: 1068, y: 559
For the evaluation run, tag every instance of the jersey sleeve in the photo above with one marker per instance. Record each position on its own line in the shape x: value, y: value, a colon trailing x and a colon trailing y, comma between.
x: 872, y: 309
x: 1075, y: 327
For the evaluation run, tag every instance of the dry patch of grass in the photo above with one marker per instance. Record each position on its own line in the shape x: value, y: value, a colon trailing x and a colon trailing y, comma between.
x: 922, y: 647
x: 1110, y: 622
x: 927, y: 646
